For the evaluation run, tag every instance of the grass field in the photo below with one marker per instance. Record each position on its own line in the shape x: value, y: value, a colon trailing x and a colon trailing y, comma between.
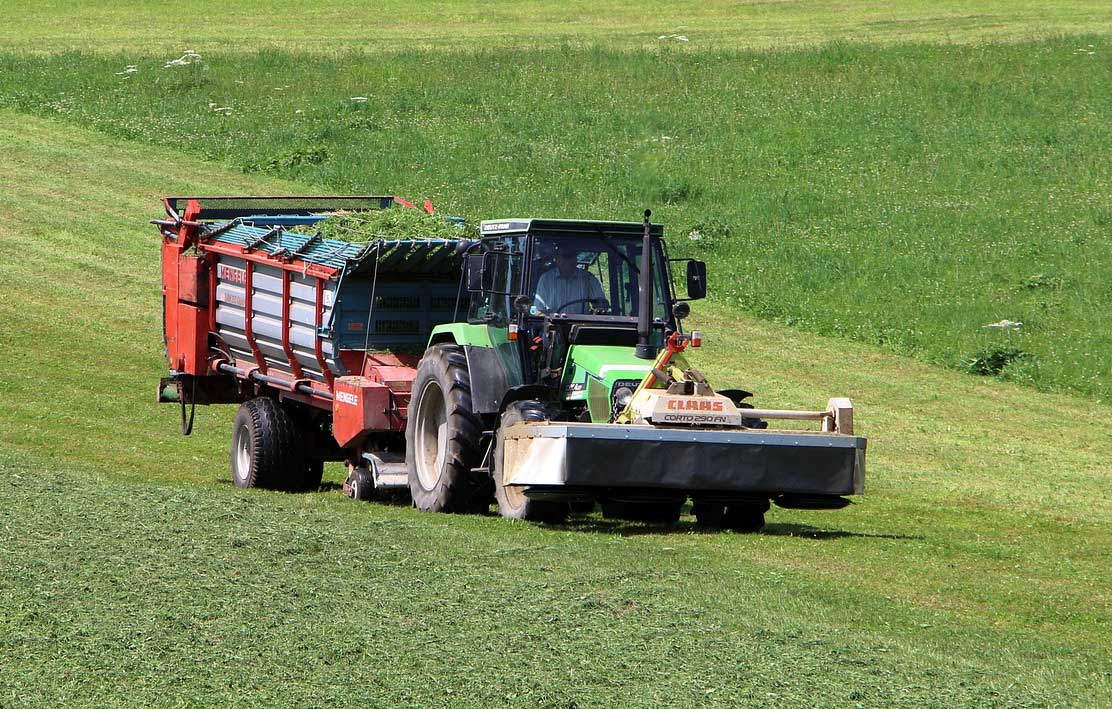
x: 323, y: 26
x: 976, y: 572
x: 893, y: 197
x: 906, y: 196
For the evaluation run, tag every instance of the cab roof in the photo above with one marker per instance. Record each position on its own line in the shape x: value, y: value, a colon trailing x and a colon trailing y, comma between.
x: 570, y: 227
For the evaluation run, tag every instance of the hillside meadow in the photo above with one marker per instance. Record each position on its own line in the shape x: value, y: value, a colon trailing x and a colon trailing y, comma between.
x: 872, y: 185
x: 919, y: 198
x: 975, y: 572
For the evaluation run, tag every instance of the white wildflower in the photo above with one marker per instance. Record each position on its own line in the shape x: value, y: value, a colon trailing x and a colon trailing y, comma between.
x: 1004, y: 325
x: 187, y: 58
x: 695, y: 235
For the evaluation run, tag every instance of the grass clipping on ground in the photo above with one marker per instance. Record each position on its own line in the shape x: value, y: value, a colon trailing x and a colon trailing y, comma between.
x: 392, y: 224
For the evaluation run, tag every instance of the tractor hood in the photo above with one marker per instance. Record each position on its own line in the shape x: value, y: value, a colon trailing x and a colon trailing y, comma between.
x: 607, y: 363
x: 592, y: 372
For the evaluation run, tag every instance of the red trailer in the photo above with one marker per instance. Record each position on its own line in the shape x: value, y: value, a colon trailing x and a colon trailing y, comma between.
x: 249, y: 291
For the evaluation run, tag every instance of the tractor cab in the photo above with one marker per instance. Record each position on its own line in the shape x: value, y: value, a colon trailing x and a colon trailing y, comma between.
x: 571, y: 305
x: 556, y: 285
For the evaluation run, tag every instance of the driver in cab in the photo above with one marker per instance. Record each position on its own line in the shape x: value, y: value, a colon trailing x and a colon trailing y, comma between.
x: 568, y: 288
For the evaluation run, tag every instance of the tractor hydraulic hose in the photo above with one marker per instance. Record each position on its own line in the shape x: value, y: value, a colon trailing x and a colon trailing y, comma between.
x: 187, y: 424
x: 645, y: 349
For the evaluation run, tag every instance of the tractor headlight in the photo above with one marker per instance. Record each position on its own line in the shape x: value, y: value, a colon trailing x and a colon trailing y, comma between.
x: 622, y: 396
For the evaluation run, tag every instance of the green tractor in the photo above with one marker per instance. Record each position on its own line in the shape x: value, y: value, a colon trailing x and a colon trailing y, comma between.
x: 567, y: 384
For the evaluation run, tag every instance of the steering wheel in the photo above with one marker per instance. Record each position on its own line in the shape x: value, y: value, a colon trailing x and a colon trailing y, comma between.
x: 598, y: 305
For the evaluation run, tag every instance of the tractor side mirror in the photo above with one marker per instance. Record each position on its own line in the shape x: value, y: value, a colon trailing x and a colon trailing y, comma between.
x: 696, y: 279
x: 490, y: 272
x: 475, y: 263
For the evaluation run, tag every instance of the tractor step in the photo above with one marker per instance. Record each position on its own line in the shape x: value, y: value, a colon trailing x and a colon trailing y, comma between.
x: 387, y: 470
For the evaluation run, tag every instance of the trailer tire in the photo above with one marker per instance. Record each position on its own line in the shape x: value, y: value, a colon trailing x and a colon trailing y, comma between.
x: 512, y: 502
x: 266, y: 449
x: 443, y: 435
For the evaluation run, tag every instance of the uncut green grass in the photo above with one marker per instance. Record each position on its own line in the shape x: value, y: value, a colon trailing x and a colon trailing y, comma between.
x: 903, y: 196
x: 45, y: 26
x: 975, y: 572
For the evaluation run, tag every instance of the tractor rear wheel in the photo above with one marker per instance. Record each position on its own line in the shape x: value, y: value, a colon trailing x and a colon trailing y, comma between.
x: 442, y: 436
x: 511, y: 499
x: 267, y: 451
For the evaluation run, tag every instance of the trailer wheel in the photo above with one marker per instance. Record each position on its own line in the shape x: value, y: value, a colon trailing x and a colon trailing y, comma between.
x: 266, y: 449
x: 442, y: 436
x: 512, y: 502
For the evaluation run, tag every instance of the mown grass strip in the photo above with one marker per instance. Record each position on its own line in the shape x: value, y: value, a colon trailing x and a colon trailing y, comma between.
x: 327, y: 25
x: 127, y: 595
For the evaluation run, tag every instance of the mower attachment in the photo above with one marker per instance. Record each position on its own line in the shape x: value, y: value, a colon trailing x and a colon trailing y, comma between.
x: 560, y: 454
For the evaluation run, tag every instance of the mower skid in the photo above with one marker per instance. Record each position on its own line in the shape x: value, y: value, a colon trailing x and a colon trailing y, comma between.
x: 638, y: 456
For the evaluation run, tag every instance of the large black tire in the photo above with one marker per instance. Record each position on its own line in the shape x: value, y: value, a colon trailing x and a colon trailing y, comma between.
x: 443, y: 436
x: 362, y: 484
x: 667, y: 512
x: 267, y: 450
x: 512, y: 502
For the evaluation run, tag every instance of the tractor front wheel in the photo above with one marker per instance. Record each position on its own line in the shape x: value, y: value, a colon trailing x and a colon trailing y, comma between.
x: 443, y: 435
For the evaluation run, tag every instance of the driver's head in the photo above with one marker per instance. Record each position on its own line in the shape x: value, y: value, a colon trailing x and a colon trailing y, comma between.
x: 566, y: 259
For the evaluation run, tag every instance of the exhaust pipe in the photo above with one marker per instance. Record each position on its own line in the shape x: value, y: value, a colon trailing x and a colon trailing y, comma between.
x: 645, y: 349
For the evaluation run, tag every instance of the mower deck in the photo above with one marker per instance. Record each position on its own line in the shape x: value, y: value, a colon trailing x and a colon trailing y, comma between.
x: 641, y: 456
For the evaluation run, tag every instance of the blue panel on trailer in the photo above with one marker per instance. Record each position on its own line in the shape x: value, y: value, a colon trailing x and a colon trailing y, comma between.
x: 405, y: 312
